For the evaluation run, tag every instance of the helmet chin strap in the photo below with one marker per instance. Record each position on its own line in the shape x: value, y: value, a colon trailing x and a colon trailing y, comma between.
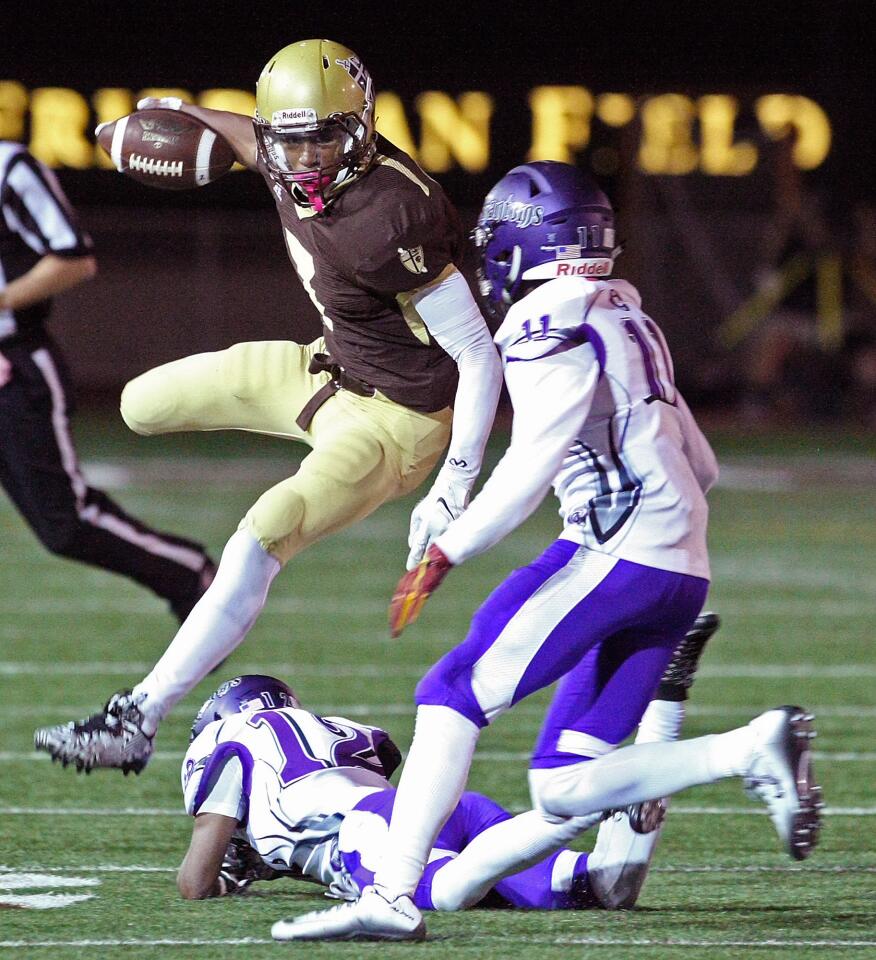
x: 513, y: 273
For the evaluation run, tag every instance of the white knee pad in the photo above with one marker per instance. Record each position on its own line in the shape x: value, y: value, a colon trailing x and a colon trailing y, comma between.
x: 558, y: 791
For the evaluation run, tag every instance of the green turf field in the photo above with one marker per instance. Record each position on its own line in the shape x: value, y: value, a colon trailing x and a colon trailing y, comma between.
x: 793, y: 539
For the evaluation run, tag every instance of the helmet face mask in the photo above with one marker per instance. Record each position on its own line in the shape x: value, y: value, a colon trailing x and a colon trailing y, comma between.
x: 314, y: 120
x: 242, y: 695
x: 541, y: 220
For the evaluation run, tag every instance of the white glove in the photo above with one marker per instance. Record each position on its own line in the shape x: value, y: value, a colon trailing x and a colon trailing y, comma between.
x: 447, y: 499
x: 165, y: 103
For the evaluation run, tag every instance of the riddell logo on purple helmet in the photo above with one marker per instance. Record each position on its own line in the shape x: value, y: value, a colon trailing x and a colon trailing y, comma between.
x: 590, y: 268
x: 513, y: 211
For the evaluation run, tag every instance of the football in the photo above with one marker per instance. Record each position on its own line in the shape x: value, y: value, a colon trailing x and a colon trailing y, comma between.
x: 166, y: 149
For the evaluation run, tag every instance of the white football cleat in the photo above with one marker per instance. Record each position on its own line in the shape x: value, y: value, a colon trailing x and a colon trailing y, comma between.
x: 781, y: 775
x: 618, y: 865
x: 371, y: 917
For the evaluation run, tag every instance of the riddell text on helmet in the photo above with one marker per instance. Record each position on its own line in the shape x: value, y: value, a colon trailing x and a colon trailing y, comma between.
x: 592, y: 268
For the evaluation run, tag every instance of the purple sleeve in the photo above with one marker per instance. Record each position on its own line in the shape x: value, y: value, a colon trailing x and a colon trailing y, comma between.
x: 213, y: 768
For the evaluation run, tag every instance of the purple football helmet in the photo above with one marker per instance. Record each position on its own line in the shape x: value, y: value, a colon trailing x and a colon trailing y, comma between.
x: 242, y: 694
x: 542, y: 220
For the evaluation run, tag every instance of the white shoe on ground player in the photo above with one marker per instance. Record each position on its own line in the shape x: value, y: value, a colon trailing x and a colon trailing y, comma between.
x: 781, y: 775
x: 371, y: 917
x: 112, y: 738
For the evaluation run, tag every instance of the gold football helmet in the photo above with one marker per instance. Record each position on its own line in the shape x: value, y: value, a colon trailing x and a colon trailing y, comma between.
x: 314, y: 120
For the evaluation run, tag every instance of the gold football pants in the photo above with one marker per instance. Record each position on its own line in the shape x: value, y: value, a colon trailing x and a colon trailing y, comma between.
x: 365, y: 450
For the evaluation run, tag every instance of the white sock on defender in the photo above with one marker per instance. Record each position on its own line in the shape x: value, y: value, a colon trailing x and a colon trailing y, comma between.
x: 640, y: 772
x: 662, y: 721
x: 215, y: 627
x: 434, y: 776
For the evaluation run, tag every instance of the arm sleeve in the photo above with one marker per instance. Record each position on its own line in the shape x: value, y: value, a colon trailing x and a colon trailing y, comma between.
x: 454, y: 320
x: 551, y: 397
x: 696, y: 448
x: 41, y: 214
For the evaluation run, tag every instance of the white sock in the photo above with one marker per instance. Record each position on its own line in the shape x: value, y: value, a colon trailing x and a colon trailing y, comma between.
x: 434, y: 776
x: 662, y: 721
x: 503, y: 849
x: 215, y: 627
x: 643, y: 771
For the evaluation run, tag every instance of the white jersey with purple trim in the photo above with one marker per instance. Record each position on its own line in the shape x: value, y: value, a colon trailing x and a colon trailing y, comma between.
x: 288, y: 776
x: 597, y: 415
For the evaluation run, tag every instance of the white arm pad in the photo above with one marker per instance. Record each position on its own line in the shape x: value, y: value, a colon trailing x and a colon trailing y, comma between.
x: 551, y: 398
x: 453, y: 318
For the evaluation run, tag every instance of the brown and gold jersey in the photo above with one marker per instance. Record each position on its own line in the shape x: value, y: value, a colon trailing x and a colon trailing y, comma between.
x: 387, y: 234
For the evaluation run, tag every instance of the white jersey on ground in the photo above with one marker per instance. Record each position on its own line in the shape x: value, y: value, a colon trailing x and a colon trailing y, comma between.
x: 597, y: 415
x: 289, y: 776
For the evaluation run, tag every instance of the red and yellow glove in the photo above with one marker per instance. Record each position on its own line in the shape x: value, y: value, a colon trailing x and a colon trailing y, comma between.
x: 414, y: 588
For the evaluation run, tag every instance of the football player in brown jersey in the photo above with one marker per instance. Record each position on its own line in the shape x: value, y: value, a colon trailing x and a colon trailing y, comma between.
x: 405, y: 363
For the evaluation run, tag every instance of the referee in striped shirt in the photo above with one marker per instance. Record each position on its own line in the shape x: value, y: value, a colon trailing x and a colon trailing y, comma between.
x: 43, y: 251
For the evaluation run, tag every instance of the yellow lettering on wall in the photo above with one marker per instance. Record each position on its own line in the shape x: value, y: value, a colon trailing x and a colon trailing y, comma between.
x: 454, y: 129
x: 392, y: 122
x: 560, y: 122
x: 59, y: 121
x: 615, y: 109
x: 667, y: 144
x: 781, y: 114
x: 457, y: 130
x: 719, y: 155
x: 227, y: 98
x: 110, y: 103
x: 13, y: 104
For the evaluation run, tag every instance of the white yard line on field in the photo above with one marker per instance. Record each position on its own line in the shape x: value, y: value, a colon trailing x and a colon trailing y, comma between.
x: 46, y: 713
x: 506, y: 938
x: 677, y: 809
x: 697, y: 944
x: 678, y: 868
x: 485, y: 756
x: 724, y: 671
x: 99, y: 868
x: 737, y: 473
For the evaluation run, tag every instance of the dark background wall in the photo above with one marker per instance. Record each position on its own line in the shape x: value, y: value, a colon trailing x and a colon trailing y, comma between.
x: 181, y: 273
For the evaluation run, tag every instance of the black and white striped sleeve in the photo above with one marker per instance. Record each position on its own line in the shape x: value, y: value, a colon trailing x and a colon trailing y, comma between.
x: 36, y: 209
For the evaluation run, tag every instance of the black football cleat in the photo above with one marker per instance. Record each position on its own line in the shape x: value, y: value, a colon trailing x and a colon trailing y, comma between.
x: 113, y: 738
x: 678, y: 677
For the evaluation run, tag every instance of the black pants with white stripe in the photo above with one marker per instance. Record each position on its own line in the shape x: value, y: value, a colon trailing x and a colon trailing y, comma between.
x: 40, y: 472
